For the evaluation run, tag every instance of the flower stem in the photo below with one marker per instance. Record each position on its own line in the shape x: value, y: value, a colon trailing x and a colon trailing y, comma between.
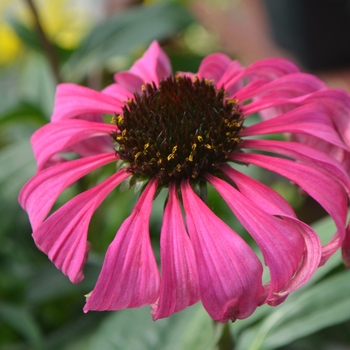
x: 226, y: 341
x: 48, y: 48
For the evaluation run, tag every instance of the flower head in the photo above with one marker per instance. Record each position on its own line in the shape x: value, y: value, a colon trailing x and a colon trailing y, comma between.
x: 181, y: 132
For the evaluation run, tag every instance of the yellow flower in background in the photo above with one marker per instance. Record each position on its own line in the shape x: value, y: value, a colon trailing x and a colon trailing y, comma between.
x: 64, y: 22
x: 10, y: 45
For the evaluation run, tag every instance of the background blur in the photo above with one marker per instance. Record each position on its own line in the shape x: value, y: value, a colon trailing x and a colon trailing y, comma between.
x: 85, y: 42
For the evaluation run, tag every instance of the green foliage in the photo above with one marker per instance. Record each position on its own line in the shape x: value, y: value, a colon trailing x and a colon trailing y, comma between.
x: 23, y: 322
x: 125, y: 32
x: 188, y: 330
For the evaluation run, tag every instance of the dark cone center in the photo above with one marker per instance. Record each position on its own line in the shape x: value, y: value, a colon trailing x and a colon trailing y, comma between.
x: 178, y: 130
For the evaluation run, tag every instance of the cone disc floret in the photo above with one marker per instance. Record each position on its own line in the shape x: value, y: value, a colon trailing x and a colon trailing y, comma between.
x: 177, y: 130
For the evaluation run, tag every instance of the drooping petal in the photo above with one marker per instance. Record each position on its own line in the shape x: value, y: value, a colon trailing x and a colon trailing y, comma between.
x: 337, y: 103
x: 335, y: 99
x: 63, y: 236
x: 304, y: 153
x: 153, y: 66
x: 129, y: 276
x: 48, y: 184
x: 313, y: 181
x: 281, y: 243
x: 272, y: 203
x: 179, y: 286
x: 229, y: 271
x: 57, y: 137
x: 264, y: 197
x: 309, y: 264
x: 74, y: 100
x: 310, y: 119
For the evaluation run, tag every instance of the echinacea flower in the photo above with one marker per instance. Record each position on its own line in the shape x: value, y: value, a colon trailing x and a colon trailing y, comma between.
x: 180, y: 132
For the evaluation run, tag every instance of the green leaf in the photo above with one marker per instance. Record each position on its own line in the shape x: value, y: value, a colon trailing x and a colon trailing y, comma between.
x: 17, y: 165
x: 191, y: 329
x: 27, y: 35
x: 30, y: 38
x: 37, y: 84
x: 23, y: 322
x: 306, y: 311
x: 326, y: 304
x: 23, y: 113
x: 124, y: 32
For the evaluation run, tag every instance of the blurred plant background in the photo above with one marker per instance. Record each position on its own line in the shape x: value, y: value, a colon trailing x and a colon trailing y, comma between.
x: 43, y: 43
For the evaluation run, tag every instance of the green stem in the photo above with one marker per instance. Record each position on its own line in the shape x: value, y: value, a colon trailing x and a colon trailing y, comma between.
x: 48, y: 48
x: 226, y: 342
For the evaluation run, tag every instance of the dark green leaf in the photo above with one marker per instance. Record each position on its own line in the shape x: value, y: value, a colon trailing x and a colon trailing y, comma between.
x: 22, y: 321
x: 325, y: 304
x: 23, y: 113
x: 124, y: 32
x: 30, y: 38
x: 26, y: 35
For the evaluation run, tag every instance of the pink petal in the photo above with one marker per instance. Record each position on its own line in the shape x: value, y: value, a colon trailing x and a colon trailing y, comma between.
x: 40, y: 193
x: 342, y: 155
x: 57, y: 137
x: 264, y: 197
x: 296, y: 84
x: 213, y: 67
x: 309, y: 119
x: 269, y: 201
x: 270, y: 68
x: 263, y: 71
x: 129, y: 81
x: 229, y: 271
x: 63, y: 236
x: 337, y: 103
x: 309, y: 263
x: 179, y: 285
x: 129, y: 276
x: 118, y: 92
x: 74, y: 100
x: 303, y: 153
x: 234, y: 69
x: 153, y: 66
x: 313, y: 181
x: 281, y: 244
x: 94, y: 146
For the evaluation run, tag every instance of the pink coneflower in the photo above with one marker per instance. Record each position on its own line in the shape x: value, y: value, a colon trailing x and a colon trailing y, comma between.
x: 180, y: 132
